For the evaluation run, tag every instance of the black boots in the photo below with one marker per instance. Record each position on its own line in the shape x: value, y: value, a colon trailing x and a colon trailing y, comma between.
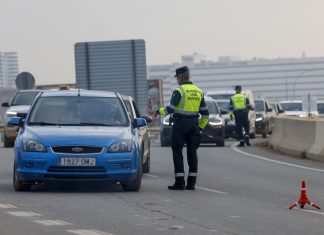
x: 178, y: 185
x: 247, y: 140
x: 191, y: 182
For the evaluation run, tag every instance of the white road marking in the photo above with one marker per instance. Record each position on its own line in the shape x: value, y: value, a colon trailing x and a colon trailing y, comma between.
x: 211, y: 190
x: 23, y: 213
x: 153, y: 176
x: 51, y: 222
x: 7, y: 206
x: 206, y: 189
x: 310, y: 211
x: 233, y: 147
x: 87, y: 232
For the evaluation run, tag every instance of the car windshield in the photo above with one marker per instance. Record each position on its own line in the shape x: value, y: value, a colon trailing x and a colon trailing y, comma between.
x: 78, y: 111
x: 212, y: 108
x: 221, y: 96
x: 223, y: 105
x: 320, y: 108
x: 259, y: 106
x: 24, y: 98
x: 292, y: 106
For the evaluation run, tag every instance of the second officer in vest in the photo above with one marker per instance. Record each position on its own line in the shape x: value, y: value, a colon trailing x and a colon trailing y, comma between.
x: 240, y: 106
x: 186, y: 103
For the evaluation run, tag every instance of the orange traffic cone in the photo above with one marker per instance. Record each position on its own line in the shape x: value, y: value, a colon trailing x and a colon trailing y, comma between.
x: 303, y: 199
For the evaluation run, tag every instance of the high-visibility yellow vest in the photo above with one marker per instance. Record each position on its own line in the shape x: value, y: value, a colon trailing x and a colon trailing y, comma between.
x: 191, y: 97
x: 239, y: 101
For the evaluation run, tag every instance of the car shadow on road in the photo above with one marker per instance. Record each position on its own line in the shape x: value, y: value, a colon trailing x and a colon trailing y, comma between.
x: 77, y: 187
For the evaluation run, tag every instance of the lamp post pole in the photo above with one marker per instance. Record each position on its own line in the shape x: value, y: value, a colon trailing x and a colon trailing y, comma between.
x: 300, y: 75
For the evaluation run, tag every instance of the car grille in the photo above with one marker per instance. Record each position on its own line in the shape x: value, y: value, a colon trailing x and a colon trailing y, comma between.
x: 76, y: 149
x: 75, y: 169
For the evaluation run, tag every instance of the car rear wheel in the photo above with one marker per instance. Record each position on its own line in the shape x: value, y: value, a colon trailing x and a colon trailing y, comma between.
x: 7, y: 142
x: 18, y: 184
x: 163, y: 141
x: 135, y: 185
x: 147, y: 165
x: 220, y: 143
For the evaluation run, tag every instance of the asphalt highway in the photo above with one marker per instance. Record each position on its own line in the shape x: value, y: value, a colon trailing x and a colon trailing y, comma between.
x: 240, y: 191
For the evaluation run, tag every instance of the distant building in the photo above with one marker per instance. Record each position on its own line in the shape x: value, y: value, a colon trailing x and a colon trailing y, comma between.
x: 278, y: 79
x: 8, y: 69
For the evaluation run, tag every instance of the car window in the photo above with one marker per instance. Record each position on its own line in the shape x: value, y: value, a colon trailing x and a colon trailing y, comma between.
x: 24, y: 98
x: 221, y: 96
x: 212, y: 108
x: 291, y: 106
x: 223, y: 105
x: 138, y: 114
x: 129, y: 108
x: 320, y: 108
x: 103, y: 111
x: 259, y: 105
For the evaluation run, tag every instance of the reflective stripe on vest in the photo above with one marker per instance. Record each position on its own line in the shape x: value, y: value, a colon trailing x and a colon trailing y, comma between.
x: 191, y: 97
x: 239, y: 101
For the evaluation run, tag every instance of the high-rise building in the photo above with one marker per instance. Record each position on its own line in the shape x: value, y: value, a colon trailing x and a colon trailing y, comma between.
x: 8, y: 69
x: 278, y: 79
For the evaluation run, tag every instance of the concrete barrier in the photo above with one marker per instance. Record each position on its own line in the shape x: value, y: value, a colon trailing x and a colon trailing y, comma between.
x: 300, y: 137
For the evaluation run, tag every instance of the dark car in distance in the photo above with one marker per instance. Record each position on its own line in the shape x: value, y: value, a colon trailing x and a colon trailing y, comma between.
x: 214, y: 132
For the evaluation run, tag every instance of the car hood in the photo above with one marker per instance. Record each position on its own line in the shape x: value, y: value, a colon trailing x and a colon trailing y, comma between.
x: 19, y: 108
x: 80, y: 135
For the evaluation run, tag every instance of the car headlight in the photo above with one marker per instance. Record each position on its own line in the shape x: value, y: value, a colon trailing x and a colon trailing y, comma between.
x: 258, y: 119
x: 11, y: 114
x: 215, y: 122
x: 33, y: 146
x: 121, y: 146
x: 166, y: 121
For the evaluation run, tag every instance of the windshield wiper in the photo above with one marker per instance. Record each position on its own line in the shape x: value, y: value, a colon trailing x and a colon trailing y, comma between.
x: 93, y: 124
x: 43, y: 123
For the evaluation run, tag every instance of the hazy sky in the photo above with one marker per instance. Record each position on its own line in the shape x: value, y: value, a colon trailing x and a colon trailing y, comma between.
x: 44, y: 32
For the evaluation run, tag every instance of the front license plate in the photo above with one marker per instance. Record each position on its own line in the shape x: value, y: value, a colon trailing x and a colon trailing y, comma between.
x: 73, y: 161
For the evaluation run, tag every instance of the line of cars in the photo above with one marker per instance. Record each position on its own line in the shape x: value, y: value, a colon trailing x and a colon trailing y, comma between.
x: 81, y: 135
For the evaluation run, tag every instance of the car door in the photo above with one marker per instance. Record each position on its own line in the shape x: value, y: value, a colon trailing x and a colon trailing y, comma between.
x: 143, y: 132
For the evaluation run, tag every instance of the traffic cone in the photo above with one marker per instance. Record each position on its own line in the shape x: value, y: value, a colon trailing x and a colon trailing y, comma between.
x: 303, y: 199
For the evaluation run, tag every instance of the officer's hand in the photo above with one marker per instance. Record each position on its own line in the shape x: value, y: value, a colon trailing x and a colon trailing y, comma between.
x: 231, y: 117
x: 152, y: 112
x: 200, y: 130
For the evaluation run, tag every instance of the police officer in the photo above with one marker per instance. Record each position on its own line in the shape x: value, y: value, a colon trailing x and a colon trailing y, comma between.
x: 186, y: 103
x: 240, y: 106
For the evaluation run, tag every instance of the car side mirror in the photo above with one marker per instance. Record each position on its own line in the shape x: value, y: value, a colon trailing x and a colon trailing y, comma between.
x: 16, y: 121
x: 5, y: 104
x: 139, y: 122
x: 222, y: 111
x: 148, y: 119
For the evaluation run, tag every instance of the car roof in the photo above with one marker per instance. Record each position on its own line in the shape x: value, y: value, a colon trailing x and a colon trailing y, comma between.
x: 78, y: 92
x: 31, y: 90
x: 290, y: 101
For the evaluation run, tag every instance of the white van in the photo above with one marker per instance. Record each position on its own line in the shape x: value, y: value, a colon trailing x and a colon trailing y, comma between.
x: 221, y: 95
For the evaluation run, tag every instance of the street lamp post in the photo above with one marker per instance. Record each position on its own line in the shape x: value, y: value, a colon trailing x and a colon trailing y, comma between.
x: 300, y: 75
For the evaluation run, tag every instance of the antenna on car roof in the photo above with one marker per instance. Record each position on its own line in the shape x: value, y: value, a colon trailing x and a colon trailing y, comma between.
x: 79, y: 92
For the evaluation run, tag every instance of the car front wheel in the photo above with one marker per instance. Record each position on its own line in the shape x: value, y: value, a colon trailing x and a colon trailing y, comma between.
x: 135, y: 185
x: 18, y: 184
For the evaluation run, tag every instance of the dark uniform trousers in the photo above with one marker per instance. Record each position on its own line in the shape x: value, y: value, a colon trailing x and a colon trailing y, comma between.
x: 242, y: 120
x: 185, y: 130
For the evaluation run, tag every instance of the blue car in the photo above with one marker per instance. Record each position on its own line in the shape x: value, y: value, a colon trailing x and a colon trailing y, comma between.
x: 78, y: 135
